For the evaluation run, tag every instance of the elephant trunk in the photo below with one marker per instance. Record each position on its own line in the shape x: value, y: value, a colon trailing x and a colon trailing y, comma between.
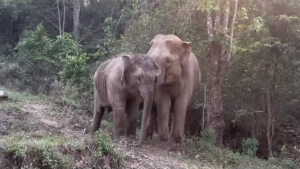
x: 148, y: 95
x: 161, y: 77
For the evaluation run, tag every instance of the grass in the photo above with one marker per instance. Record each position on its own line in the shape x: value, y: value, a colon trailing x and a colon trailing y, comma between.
x: 24, y: 146
x: 18, y: 99
x: 104, y: 147
x: 205, y: 150
x: 46, y: 152
x: 53, y: 152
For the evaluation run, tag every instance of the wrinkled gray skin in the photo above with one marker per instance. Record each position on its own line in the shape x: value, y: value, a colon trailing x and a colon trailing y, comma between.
x: 179, y: 80
x: 122, y: 84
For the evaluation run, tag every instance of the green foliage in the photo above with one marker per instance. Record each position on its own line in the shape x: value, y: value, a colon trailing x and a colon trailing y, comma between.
x: 250, y: 147
x: 290, y: 163
x: 41, y: 152
x: 104, y: 147
x: 208, y: 136
x: 40, y: 58
x: 283, y: 151
x: 225, y: 158
x: 16, y: 100
x: 286, y: 163
x: 34, y: 58
x: 76, y: 73
x: 107, y: 125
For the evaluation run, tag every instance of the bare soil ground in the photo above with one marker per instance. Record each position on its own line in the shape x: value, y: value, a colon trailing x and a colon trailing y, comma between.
x: 39, y: 120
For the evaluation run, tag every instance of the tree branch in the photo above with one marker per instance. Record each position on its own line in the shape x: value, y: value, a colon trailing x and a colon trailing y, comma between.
x: 217, y: 18
x: 112, y: 12
x: 89, y: 34
x: 48, y: 10
x: 209, y: 25
x: 64, y: 17
x: 117, y: 25
x: 47, y: 20
x: 76, y: 18
x: 59, y: 19
x: 226, y: 15
x: 232, y: 27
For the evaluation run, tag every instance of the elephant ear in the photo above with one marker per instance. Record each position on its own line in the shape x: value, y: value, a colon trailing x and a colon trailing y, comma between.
x: 125, y: 59
x: 186, y: 51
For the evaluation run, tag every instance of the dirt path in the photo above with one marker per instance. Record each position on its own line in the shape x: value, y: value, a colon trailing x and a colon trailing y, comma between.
x: 148, y: 156
x: 154, y: 157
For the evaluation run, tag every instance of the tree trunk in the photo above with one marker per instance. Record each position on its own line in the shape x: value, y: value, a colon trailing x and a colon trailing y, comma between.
x: 64, y: 17
x: 269, y: 111
x: 76, y: 14
x: 219, y: 56
x: 203, y: 108
x: 59, y: 17
x: 218, y: 69
x: 271, y: 107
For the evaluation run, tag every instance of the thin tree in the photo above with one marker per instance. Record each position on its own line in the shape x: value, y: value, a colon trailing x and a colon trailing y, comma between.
x: 61, y: 17
x: 220, y: 29
x: 76, y: 21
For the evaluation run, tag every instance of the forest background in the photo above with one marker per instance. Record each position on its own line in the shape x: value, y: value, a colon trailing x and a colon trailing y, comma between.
x: 248, y: 52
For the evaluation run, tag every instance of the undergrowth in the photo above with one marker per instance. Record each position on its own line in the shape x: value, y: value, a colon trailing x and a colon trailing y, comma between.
x: 46, y: 152
x: 225, y: 158
x: 104, y: 147
x: 17, y: 98
x: 58, y: 152
x: 24, y: 146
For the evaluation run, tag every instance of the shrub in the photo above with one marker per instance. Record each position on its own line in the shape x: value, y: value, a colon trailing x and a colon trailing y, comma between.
x: 250, y: 147
x: 75, y: 72
x: 47, y: 152
x: 39, y: 59
x: 225, y: 158
x: 208, y: 136
x: 104, y: 147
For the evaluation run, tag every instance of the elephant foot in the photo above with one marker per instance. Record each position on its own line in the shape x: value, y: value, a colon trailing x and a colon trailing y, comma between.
x: 177, y: 144
x: 120, y: 139
x: 163, y: 138
x: 138, y: 144
x: 181, y: 147
x: 131, y: 132
x: 131, y: 138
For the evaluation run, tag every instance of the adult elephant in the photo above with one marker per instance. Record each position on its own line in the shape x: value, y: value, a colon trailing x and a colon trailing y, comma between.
x: 122, y: 84
x: 179, y: 79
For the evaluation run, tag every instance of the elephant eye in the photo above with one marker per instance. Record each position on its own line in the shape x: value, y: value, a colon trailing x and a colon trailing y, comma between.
x: 168, y: 61
x: 139, y: 78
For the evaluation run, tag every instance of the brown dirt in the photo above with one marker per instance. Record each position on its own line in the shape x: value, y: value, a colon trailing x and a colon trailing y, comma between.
x: 155, y: 157
x: 39, y: 120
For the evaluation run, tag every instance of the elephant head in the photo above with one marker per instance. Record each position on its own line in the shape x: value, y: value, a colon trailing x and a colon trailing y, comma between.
x: 171, y: 54
x: 140, y: 73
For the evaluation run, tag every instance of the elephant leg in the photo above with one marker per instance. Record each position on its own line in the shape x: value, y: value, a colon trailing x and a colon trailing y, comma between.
x: 178, y: 120
x: 97, y: 119
x: 152, y: 122
x: 132, y: 111
x: 98, y: 113
x: 163, y: 103
x: 119, y: 117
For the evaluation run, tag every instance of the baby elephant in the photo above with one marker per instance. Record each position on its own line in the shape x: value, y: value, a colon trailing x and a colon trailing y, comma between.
x: 122, y: 84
